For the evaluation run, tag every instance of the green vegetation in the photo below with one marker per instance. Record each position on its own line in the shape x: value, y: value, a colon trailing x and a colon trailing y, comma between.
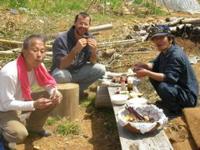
x: 104, y: 7
x: 68, y: 128
x: 47, y: 6
x: 87, y: 101
x: 52, y: 121
x: 150, y: 5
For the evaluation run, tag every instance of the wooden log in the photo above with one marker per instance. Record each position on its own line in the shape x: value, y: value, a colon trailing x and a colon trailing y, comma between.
x: 12, y: 42
x: 100, y: 27
x: 16, y: 43
x: 68, y: 107
x: 191, y: 21
x: 174, y: 22
x: 116, y: 43
x: 137, y: 52
x: 18, y: 50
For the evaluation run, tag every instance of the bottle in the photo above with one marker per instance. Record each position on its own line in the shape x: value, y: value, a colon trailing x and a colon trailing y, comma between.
x: 123, y: 85
x: 130, y: 83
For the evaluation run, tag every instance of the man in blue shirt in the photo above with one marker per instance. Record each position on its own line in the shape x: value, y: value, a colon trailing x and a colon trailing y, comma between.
x: 74, y: 55
x: 170, y: 73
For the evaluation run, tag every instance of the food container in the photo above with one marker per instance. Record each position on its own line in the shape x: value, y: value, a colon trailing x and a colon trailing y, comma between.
x: 119, y: 99
x: 155, y: 118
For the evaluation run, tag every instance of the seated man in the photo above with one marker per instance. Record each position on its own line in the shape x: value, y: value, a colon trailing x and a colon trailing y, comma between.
x: 74, y: 55
x: 170, y: 73
x: 17, y: 78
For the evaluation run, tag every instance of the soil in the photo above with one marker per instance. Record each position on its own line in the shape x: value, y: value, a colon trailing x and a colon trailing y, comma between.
x: 99, y: 132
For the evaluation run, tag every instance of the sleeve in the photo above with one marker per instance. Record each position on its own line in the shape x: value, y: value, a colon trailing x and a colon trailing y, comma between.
x: 50, y: 89
x: 7, y: 96
x: 60, y: 49
x: 155, y: 63
x: 174, y: 69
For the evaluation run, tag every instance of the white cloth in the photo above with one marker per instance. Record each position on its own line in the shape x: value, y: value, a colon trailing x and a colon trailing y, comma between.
x: 10, y: 89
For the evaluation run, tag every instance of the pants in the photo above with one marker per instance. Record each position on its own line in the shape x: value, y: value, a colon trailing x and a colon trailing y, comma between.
x: 173, y: 96
x: 84, y: 76
x: 13, y: 130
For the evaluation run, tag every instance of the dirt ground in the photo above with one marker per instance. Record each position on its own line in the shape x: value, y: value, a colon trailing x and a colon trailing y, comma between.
x: 99, y: 132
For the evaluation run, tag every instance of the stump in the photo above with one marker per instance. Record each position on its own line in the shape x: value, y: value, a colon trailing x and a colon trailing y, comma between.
x: 68, y: 107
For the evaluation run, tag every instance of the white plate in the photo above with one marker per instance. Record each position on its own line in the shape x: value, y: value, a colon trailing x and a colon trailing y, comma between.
x: 119, y: 99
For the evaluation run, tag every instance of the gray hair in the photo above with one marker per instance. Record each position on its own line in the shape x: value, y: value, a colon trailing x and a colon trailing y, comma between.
x: 28, y: 41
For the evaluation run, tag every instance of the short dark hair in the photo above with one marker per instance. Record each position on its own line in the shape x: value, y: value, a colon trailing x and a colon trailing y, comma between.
x: 83, y: 14
x: 28, y: 41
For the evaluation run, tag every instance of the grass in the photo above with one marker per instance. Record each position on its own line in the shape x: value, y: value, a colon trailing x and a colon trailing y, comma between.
x: 63, y: 127
x: 52, y: 121
x: 68, y: 128
x: 86, y: 102
x: 151, y: 7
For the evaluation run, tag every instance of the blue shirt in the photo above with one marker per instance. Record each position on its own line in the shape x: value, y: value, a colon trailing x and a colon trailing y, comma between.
x: 174, y: 64
x: 63, y: 45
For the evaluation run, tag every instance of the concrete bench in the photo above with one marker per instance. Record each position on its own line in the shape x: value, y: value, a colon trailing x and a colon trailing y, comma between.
x: 129, y: 141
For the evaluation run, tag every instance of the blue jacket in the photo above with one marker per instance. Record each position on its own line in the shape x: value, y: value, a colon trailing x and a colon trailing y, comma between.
x: 177, y: 69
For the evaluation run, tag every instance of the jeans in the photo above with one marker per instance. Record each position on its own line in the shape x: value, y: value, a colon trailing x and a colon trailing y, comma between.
x: 84, y: 76
x: 173, y: 96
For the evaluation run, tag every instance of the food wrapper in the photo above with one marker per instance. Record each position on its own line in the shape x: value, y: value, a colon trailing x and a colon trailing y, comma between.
x: 145, y: 110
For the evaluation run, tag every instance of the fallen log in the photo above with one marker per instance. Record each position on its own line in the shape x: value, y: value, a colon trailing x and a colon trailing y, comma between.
x: 173, y: 22
x: 100, y: 45
x: 100, y: 27
x: 18, y: 50
x: 12, y: 43
x: 137, y: 52
x: 116, y: 43
x: 191, y: 21
x: 93, y: 29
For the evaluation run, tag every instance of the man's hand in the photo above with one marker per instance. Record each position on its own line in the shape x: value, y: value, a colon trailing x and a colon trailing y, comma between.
x: 56, y: 97
x: 142, y: 72
x: 92, y: 43
x: 140, y: 65
x: 42, y: 103
x: 93, y: 46
x: 81, y: 43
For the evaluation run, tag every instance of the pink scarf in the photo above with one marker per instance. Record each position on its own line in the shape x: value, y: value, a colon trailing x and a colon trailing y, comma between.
x: 42, y: 76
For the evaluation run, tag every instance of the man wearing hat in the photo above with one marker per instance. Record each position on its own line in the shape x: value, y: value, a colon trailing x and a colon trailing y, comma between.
x: 170, y: 73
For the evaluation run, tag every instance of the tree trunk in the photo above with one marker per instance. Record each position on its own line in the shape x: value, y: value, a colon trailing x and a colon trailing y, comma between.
x: 68, y: 107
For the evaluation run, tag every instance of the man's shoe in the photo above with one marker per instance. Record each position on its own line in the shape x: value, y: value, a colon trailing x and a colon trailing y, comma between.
x: 42, y: 133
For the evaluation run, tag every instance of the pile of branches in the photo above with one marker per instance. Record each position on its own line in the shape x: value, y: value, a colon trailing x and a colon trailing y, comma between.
x: 187, y: 28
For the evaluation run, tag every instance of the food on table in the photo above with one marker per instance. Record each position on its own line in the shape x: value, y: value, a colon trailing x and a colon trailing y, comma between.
x: 134, y: 116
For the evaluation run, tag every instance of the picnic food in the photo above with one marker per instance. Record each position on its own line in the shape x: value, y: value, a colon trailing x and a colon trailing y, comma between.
x: 119, y: 79
x: 134, y: 116
x: 141, y: 118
